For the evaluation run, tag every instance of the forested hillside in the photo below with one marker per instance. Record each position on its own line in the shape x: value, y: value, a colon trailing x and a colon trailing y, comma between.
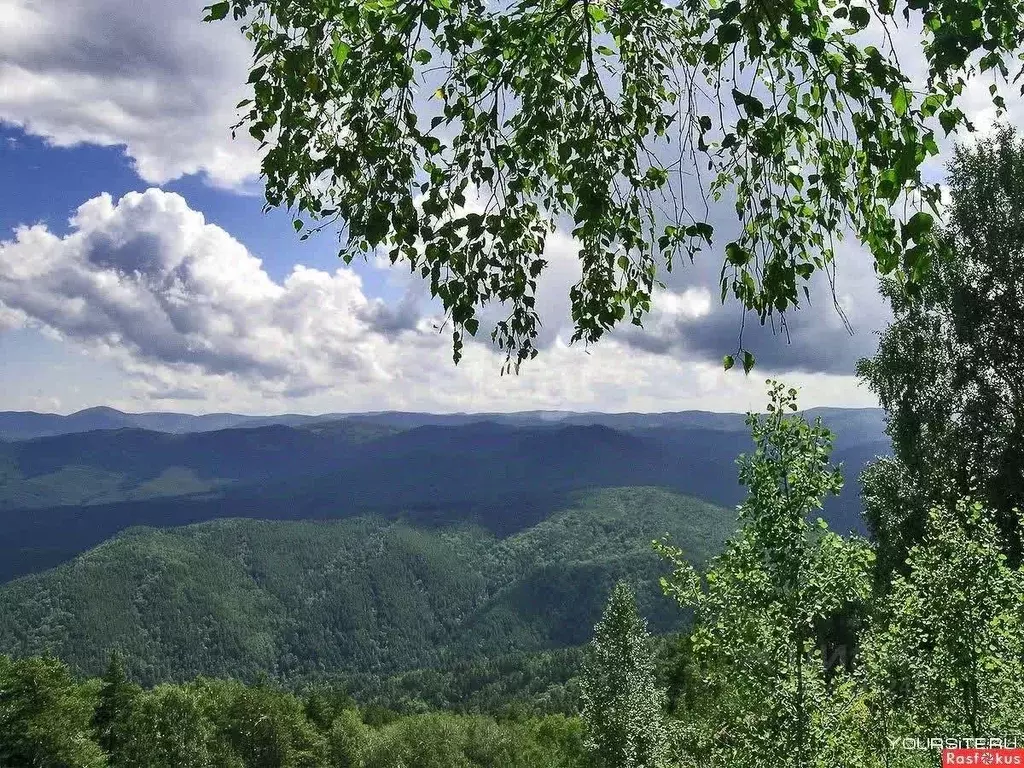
x: 504, y: 477
x: 364, y: 595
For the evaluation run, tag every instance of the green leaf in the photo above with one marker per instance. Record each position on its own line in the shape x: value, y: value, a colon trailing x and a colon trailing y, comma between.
x: 900, y: 101
x: 748, y: 361
x: 859, y: 17
x: 948, y: 119
x: 728, y: 362
x: 920, y: 224
x: 712, y: 53
x: 340, y: 51
x: 750, y: 104
x: 729, y: 33
x: 217, y: 11
x: 736, y: 255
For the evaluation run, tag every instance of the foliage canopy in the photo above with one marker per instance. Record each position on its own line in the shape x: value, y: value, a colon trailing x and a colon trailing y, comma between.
x: 949, y: 369
x: 455, y: 134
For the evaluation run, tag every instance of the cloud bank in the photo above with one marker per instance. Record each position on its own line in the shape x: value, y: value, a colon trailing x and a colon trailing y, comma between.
x: 147, y: 74
x: 189, y: 315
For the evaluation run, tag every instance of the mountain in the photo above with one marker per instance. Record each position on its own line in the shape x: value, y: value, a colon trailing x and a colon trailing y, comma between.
x: 367, y: 595
x: 62, y: 495
x: 122, y: 464
x: 25, y: 425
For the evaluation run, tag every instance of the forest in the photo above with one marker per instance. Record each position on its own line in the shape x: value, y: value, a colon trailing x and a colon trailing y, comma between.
x: 798, y: 646
x: 552, y: 611
x: 294, y: 599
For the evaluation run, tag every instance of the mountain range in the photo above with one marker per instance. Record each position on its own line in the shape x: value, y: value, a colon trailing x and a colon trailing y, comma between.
x: 384, y: 546
x: 62, y: 494
x: 25, y: 425
x: 239, y: 597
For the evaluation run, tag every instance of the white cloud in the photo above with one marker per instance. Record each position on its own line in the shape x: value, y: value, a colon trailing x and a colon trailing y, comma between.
x: 192, y: 321
x: 148, y: 75
x: 146, y: 280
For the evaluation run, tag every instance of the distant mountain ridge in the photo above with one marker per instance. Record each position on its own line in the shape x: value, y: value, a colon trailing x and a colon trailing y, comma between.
x: 26, y: 425
x: 61, y: 495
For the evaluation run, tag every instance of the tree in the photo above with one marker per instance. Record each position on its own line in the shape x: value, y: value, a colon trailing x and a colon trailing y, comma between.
x: 600, y: 112
x: 44, y: 717
x: 268, y: 728
x: 622, y: 707
x: 166, y: 728
x: 769, y: 696
x: 946, y: 655
x: 347, y: 739
x: 115, y: 702
x: 949, y: 370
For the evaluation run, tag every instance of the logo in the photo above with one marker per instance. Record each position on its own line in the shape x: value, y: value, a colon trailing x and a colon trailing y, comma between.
x: 992, y: 756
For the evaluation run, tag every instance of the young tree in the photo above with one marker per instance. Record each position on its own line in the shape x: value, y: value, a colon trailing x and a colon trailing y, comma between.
x: 946, y: 656
x: 624, y: 117
x: 622, y: 706
x: 949, y: 370
x: 770, y: 698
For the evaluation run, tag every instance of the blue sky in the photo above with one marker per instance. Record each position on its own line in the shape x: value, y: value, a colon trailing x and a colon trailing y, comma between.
x: 137, y: 269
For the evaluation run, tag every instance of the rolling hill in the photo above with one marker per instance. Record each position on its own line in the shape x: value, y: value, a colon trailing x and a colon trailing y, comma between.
x: 233, y: 597
x: 102, y: 466
x: 62, y: 495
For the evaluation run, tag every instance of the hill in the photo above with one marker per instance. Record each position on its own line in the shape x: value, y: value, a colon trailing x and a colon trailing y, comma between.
x: 26, y: 425
x: 103, y: 466
x: 83, y: 488
x: 366, y: 595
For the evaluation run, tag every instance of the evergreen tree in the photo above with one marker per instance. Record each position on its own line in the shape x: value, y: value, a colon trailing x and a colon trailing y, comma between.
x: 115, y: 701
x: 622, y: 707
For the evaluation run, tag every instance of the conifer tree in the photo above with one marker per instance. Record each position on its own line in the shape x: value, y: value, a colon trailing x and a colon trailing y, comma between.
x: 115, y: 701
x: 622, y: 705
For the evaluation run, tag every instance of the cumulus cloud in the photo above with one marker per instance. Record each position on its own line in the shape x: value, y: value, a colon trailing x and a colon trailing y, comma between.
x: 148, y: 75
x: 827, y: 334
x: 10, y: 318
x: 147, y: 280
x: 192, y: 320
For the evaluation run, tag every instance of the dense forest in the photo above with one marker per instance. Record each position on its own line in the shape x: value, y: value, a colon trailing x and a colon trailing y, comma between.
x: 48, y: 717
x: 244, y: 597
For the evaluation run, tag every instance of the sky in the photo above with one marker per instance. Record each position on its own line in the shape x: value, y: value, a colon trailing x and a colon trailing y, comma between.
x: 138, y: 270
